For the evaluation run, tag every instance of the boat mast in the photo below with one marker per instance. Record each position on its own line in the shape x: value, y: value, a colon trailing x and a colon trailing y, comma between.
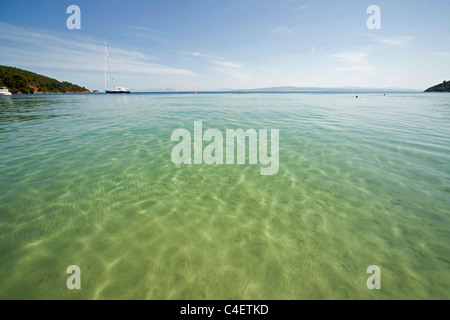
x: 110, y: 70
x: 105, y: 66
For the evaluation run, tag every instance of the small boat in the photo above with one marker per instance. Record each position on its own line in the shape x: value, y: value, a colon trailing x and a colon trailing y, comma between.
x: 4, y: 92
x: 116, y: 89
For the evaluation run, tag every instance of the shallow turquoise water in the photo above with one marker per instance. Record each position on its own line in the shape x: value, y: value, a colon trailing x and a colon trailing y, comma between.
x: 88, y: 180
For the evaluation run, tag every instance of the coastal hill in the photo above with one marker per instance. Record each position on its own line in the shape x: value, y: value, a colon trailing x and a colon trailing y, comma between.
x: 442, y: 87
x: 20, y: 81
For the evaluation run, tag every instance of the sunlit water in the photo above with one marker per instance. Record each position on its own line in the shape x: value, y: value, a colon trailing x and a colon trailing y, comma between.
x: 88, y: 180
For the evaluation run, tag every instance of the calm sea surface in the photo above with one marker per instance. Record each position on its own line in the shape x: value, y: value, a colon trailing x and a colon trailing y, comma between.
x: 88, y: 180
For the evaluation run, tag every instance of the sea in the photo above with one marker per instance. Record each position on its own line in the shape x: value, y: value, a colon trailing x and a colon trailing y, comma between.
x: 358, y: 209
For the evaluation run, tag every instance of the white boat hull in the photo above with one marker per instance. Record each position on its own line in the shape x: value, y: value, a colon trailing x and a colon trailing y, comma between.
x: 4, y: 91
x: 117, y: 91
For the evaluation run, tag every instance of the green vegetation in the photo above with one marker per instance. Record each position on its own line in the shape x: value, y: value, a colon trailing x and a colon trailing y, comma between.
x: 22, y: 81
x: 443, y: 87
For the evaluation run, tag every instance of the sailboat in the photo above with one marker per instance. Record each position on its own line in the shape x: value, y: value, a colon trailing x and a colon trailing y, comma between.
x: 116, y: 89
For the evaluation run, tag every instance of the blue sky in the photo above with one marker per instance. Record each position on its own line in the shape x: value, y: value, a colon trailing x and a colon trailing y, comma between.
x: 214, y: 44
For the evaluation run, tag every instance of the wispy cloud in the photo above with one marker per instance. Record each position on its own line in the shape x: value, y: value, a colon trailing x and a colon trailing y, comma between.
x: 227, y: 64
x: 233, y: 69
x: 140, y: 28
x: 441, y: 54
x: 302, y: 8
x: 283, y: 30
x: 392, y: 40
x: 144, y: 33
x: 361, y: 68
x: 43, y: 48
x: 350, y: 57
x: 352, y: 62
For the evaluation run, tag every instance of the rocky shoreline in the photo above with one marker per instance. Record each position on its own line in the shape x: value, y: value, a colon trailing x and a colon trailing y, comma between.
x: 40, y: 92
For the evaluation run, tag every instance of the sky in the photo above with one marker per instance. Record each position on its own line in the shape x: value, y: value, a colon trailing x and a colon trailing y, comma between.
x: 199, y: 45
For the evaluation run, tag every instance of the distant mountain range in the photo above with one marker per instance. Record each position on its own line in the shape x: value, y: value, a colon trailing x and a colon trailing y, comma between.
x: 299, y: 90
x: 442, y: 87
x: 317, y: 89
